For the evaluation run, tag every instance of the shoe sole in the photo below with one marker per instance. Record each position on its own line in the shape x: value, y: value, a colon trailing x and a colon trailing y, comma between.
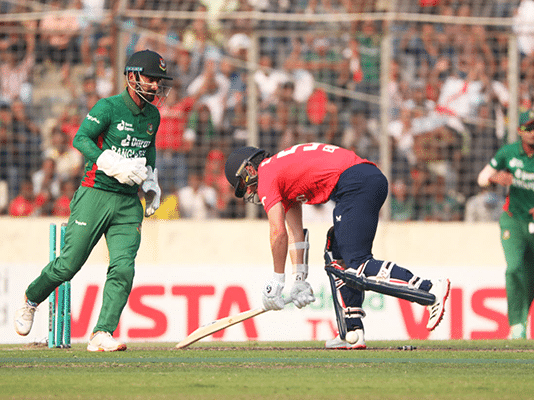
x: 443, y: 301
x: 347, y: 348
x: 122, y: 347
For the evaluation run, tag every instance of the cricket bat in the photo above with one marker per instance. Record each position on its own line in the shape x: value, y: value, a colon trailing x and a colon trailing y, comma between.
x: 223, y: 323
x: 218, y: 325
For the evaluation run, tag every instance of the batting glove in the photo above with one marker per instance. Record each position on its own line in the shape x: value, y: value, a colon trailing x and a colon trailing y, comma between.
x: 302, y: 294
x: 272, y: 293
x: 128, y: 171
x: 152, y: 191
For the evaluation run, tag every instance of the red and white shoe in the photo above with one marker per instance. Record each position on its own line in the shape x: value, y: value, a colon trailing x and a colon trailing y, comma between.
x: 339, y: 344
x: 440, y: 289
x: 103, y: 341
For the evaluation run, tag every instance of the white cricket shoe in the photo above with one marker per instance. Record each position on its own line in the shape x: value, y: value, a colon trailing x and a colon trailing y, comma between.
x: 518, y: 331
x: 24, y: 318
x: 339, y: 344
x: 103, y: 341
x: 440, y: 289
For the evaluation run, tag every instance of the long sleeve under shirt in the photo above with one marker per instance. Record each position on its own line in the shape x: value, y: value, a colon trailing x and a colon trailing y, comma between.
x: 116, y: 123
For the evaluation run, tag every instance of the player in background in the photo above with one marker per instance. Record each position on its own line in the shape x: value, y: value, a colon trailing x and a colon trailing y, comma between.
x: 117, y: 138
x: 513, y: 167
x: 313, y: 173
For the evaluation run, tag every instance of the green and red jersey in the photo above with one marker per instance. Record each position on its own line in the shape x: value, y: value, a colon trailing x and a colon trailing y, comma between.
x: 520, y: 197
x: 116, y: 123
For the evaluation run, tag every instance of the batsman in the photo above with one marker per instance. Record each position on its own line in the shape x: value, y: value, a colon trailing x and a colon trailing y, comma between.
x: 313, y: 173
x: 117, y: 138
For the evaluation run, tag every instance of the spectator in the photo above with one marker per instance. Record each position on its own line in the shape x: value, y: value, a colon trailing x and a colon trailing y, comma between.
x: 402, y: 202
x: 27, y: 138
x: 59, y: 38
x: 161, y: 38
x: 70, y: 120
x: 15, y: 71
x: 197, y: 201
x: 69, y: 161
x: 440, y: 205
x: 104, y: 73
x: 84, y: 100
x: 184, y: 70
x: 358, y: 136
x: 26, y: 203
x: 202, y: 133
x: 269, y: 81
x: 269, y: 137
x: 216, y: 91
x: 46, y: 181
x: 171, y: 144
x: 485, y: 206
x: 61, y: 206
x: 214, y: 177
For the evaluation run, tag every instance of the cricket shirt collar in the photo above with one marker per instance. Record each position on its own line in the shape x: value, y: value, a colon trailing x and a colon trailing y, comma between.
x: 130, y: 103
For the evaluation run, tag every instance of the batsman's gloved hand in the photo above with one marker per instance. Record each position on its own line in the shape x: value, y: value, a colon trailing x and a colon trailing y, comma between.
x: 272, y: 293
x: 129, y: 171
x: 302, y: 294
x: 152, y: 191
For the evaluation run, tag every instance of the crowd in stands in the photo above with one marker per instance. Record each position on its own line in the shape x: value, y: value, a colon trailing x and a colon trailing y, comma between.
x: 316, y: 81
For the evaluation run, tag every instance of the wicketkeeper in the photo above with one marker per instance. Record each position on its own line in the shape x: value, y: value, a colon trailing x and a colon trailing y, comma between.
x: 313, y: 173
x: 117, y: 138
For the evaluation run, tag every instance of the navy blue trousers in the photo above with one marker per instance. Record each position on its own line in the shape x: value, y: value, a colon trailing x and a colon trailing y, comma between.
x: 359, y: 195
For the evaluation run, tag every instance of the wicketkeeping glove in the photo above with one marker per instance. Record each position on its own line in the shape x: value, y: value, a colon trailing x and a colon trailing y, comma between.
x: 152, y: 191
x: 302, y: 294
x: 272, y: 293
x: 129, y: 171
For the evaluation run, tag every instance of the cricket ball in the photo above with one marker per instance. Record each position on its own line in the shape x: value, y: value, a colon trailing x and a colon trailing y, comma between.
x: 351, y: 337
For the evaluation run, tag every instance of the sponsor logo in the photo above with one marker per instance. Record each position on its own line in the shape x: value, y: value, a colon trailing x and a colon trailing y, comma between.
x: 125, y: 126
x: 134, y: 142
x: 91, y: 118
x: 338, y: 218
x: 80, y: 223
x: 515, y: 163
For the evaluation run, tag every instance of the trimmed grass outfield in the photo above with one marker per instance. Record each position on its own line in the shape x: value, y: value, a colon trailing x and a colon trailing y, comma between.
x: 284, y: 370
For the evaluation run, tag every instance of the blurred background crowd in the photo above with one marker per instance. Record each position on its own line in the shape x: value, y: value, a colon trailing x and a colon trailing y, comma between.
x: 426, y: 85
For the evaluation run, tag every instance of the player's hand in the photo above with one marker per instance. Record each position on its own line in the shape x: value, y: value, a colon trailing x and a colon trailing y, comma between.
x: 503, y: 178
x: 272, y: 294
x: 152, y: 191
x: 129, y: 171
x: 302, y: 294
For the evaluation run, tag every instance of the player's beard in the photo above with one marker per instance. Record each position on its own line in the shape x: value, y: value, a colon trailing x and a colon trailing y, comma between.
x: 150, y: 96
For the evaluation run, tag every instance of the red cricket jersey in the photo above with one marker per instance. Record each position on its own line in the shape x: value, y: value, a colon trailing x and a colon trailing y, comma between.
x: 305, y: 173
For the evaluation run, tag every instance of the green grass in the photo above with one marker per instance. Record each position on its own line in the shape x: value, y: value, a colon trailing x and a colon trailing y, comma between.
x: 290, y: 370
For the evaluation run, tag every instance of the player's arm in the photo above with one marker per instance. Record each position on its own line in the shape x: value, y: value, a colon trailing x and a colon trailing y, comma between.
x: 96, y: 122
x: 273, y: 287
x: 301, y: 292
x: 278, y: 237
x: 490, y: 175
x: 295, y: 234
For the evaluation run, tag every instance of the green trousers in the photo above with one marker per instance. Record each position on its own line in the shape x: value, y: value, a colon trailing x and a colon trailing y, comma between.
x: 95, y: 213
x: 518, y: 246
